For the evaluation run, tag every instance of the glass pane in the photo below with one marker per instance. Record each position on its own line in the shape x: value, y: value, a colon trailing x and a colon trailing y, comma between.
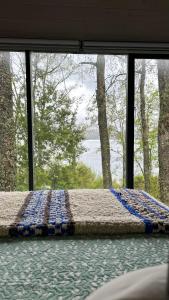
x: 152, y: 127
x: 79, y: 120
x: 13, y: 128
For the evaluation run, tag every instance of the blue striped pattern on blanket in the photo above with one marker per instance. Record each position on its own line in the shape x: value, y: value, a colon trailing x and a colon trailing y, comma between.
x: 59, y: 221
x: 154, y: 215
x: 35, y: 211
x: 47, y: 213
x: 50, y: 213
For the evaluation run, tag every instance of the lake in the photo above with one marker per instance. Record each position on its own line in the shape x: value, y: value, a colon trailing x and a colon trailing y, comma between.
x: 92, y: 158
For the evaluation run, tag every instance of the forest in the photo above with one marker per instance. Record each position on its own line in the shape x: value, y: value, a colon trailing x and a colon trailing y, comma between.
x: 72, y: 94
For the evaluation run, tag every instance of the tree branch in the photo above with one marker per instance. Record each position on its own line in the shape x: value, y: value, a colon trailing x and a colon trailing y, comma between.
x: 88, y: 63
x: 113, y: 81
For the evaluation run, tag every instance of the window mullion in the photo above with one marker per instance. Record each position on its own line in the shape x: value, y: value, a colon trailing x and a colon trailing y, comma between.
x: 130, y: 123
x: 29, y: 120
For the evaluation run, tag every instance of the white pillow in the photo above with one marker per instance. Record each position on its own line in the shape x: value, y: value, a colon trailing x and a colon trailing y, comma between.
x: 149, y: 283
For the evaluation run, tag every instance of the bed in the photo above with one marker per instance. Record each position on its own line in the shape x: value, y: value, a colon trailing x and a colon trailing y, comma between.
x: 66, y: 251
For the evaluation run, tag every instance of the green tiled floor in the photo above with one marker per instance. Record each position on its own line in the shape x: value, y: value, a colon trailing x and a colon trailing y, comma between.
x: 71, y: 268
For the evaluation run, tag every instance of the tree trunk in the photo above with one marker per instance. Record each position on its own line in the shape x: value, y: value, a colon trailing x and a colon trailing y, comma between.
x: 102, y: 122
x: 124, y: 159
x: 163, y: 129
x: 7, y: 127
x: 145, y: 131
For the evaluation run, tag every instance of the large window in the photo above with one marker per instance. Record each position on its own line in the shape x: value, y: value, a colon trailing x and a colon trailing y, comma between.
x: 64, y: 124
x: 79, y: 104
x: 77, y: 111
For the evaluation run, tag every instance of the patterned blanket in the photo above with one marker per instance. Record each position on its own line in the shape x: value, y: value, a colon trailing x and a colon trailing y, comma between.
x: 59, y: 212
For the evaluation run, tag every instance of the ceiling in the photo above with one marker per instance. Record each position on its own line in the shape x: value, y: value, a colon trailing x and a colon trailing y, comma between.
x: 91, y: 20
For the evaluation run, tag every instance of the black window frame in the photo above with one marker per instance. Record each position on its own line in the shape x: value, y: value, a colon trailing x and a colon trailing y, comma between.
x: 140, y: 51
x: 130, y: 111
